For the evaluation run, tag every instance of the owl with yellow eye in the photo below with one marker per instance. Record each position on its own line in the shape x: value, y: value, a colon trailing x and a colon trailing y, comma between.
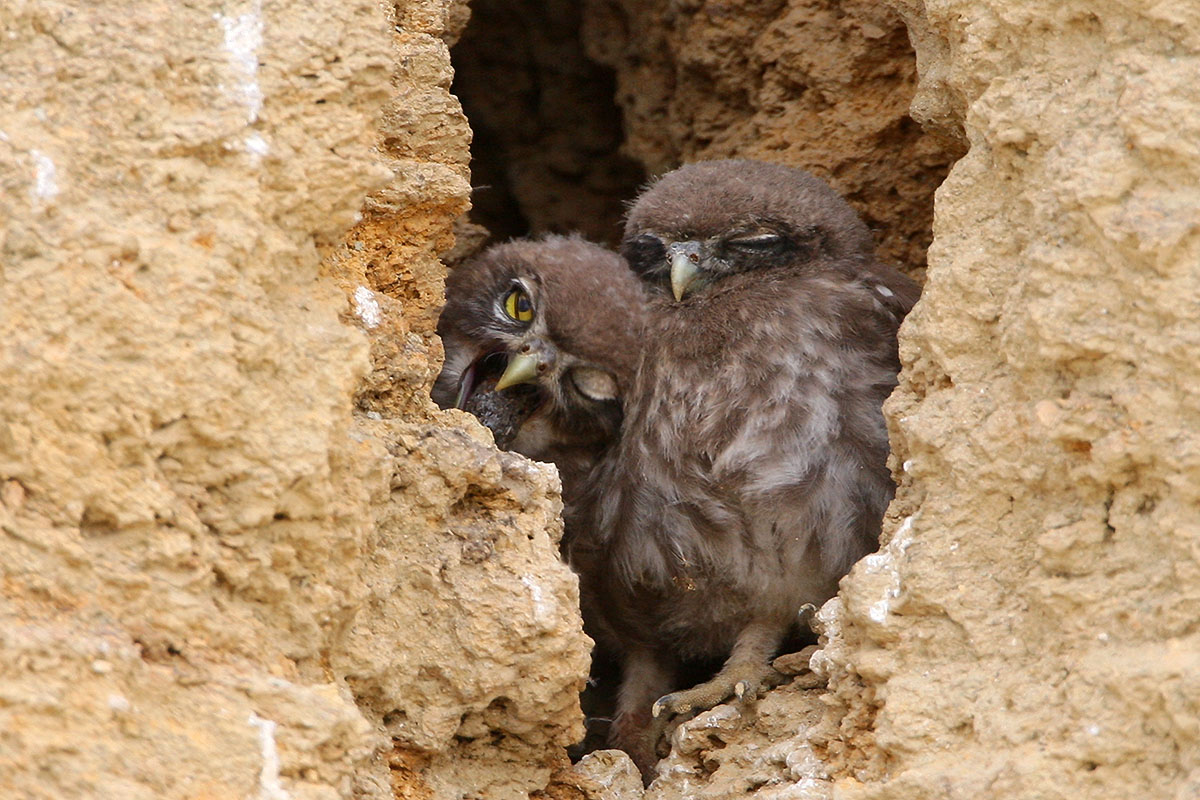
x: 542, y: 340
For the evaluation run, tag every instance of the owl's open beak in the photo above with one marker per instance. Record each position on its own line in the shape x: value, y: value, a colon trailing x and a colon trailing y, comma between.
x: 521, y: 369
x: 536, y: 359
x: 685, y: 260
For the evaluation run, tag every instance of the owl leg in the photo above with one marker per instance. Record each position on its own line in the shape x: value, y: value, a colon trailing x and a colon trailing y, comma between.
x: 746, y: 672
x: 645, y: 676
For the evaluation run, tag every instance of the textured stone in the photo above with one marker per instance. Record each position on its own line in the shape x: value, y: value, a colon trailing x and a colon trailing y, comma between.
x: 242, y: 554
x: 240, y: 547
x: 731, y: 751
x: 183, y: 509
x: 812, y: 83
x: 1030, y: 630
x: 469, y: 649
x: 601, y: 775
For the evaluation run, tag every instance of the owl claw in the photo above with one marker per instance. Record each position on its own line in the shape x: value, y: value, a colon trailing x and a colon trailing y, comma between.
x: 665, y: 702
x: 743, y: 682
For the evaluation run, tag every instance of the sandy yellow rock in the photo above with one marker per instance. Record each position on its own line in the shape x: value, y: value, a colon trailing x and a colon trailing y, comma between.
x: 222, y: 578
x: 243, y: 555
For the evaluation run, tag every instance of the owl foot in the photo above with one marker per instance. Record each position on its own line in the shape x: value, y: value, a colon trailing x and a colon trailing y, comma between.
x: 742, y: 680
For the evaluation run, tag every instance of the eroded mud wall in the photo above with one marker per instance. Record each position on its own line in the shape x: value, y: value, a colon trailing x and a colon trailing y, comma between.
x: 242, y: 555
x: 819, y: 84
x: 1035, y: 628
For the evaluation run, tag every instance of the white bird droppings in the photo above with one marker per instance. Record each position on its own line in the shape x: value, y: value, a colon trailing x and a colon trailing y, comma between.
x: 888, y: 562
x: 543, y: 608
x: 367, y: 307
x: 45, y: 177
x: 243, y: 37
x: 257, y: 146
x: 269, y: 787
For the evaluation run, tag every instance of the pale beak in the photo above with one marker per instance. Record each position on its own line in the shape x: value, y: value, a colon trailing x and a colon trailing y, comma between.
x: 685, y: 258
x: 521, y: 369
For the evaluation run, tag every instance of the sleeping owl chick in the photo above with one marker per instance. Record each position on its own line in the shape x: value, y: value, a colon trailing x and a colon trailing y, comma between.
x: 542, y: 341
x: 751, y: 472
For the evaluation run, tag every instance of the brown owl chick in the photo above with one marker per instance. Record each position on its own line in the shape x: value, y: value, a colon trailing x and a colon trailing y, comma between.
x: 542, y: 340
x: 751, y: 470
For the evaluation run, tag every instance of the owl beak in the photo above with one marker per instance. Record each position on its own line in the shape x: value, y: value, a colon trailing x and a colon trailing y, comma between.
x: 685, y: 260
x: 521, y: 369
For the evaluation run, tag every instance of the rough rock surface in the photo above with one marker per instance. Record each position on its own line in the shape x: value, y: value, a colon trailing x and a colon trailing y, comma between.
x: 820, y: 84
x: 242, y: 554
x: 1031, y: 628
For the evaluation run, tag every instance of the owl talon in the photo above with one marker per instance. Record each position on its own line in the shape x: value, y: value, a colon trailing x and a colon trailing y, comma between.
x: 742, y: 682
x: 669, y: 701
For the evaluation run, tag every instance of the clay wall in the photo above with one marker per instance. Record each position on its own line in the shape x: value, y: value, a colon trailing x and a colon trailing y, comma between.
x: 243, y: 555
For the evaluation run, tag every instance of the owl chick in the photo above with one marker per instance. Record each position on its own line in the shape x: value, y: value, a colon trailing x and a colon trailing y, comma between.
x: 751, y: 472
x: 542, y: 340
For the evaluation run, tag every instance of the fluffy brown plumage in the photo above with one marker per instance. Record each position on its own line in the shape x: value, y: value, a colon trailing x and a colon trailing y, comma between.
x: 751, y: 470
x: 570, y: 362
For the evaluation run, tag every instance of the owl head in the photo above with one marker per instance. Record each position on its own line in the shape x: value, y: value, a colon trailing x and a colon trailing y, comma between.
x: 541, y: 340
x: 711, y: 219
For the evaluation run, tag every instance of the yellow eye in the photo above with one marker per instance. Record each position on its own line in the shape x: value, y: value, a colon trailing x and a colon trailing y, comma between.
x: 518, y: 306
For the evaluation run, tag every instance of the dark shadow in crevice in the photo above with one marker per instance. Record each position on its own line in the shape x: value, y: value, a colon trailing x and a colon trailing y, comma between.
x: 547, y: 132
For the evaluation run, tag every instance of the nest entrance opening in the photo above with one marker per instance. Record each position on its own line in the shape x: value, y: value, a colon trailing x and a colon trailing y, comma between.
x: 547, y: 131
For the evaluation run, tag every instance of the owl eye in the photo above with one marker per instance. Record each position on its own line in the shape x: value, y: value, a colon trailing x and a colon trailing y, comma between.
x: 594, y: 383
x: 518, y: 306
x: 758, y: 243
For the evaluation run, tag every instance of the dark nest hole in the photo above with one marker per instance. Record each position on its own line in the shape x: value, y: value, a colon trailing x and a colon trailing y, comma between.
x: 547, y: 132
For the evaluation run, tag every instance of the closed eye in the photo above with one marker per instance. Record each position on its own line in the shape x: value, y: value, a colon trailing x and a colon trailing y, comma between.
x: 758, y: 242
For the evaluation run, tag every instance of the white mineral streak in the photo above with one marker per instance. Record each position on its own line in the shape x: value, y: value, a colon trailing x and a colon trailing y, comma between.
x: 543, y: 608
x: 243, y: 37
x: 45, y: 177
x: 256, y: 145
x: 269, y: 787
x: 367, y: 307
x: 888, y: 562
